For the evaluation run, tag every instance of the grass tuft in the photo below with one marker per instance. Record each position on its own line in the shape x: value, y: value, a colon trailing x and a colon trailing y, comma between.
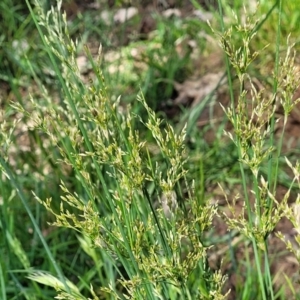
x: 103, y: 197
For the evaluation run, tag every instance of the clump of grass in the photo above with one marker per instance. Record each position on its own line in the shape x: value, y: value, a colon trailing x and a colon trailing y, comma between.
x: 131, y: 210
x: 141, y: 223
x: 253, y: 118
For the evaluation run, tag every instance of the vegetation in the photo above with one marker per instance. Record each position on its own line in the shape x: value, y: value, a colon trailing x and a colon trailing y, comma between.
x: 110, y: 188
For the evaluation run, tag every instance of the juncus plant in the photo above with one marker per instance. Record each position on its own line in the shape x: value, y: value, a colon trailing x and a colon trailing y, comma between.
x: 124, y: 205
x: 138, y: 219
x: 253, y: 118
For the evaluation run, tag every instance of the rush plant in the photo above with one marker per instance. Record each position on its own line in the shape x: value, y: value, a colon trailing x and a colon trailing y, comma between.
x: 129, y: 209
x: 144, y: 229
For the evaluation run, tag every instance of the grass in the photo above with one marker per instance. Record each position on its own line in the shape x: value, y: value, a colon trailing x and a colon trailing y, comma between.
x: 132, y: 189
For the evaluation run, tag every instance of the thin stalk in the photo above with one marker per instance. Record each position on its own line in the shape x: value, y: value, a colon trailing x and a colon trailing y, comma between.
x: 257, y: 199
x: 2, y: 283
x: 244, y: 181
x: 235, y: 119
x: 265, y: 18
x: 162, y: 234
x: 246, y: 292
x: 229, y: 78
x: 271, y: 178
x: 268, y: 273
x: 266, y: 257
x: 163, y: 238
x: 259, y: 272
x: 276, y: 168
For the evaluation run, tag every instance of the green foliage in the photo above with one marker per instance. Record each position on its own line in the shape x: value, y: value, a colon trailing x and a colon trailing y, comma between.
x: 119, y: 186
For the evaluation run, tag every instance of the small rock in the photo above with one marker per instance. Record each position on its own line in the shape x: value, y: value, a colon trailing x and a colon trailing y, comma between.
x: 125, y: 14
x: 172, y: 12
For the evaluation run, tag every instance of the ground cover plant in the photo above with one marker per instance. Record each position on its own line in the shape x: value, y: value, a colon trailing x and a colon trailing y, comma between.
x: 123, y: 178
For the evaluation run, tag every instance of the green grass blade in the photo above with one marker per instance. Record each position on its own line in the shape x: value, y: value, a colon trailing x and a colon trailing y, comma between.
x: 21, y: 195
